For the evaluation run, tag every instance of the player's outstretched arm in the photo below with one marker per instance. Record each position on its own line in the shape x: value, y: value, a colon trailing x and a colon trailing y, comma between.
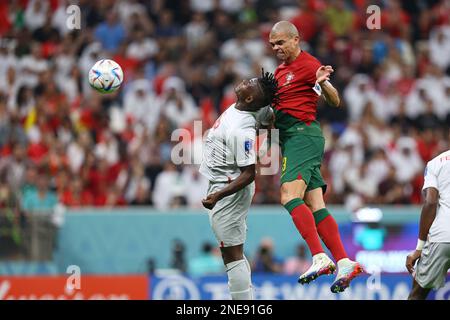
x: 426, y: 220
x: 329, y: 92
x: 246, y: 177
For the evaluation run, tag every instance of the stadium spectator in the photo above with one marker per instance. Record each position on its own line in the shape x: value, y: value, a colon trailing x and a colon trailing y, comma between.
x: 177, y: 104
x: 440, y: 42
x: 168, y: 187
x: 142, y: 47
x: 178, y: 259
x: 110, y: 33
x: 208, y: 263
x: 36, y: 14
x: 297, y: 264
x: 196, y: 30
x: 13, y: 167
x: 134, y: 182
x: 340, y: 19
x: 391, y: 191
x: 13, y: 221
x: 140, y: 104
x: 265, y: 259
x: 76, y: 194
x: 32, y: 65
x: 197, y: 186
x: 306, y: 21
x: 41, y: 199
x: 405, y: 159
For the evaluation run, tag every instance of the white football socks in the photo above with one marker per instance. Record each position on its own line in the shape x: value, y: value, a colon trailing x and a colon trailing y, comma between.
x: 239, y: 280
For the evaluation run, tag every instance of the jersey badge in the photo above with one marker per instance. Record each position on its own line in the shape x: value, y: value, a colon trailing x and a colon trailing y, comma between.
x: 289, y: 77
x: 248, y: 145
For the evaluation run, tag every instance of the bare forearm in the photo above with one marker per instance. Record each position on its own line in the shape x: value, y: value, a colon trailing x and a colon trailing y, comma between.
x: 241, y: 182
x: 330, y: 94
x: 426, y: 219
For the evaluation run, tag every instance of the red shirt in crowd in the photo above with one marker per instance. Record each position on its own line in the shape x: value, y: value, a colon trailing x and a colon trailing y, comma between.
x: 85, y: 198
x: 37, y: 151
x: 306, y: 24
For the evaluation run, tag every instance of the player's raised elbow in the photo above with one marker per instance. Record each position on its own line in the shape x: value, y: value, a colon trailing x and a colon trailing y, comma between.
x: 248, y: 174
x: 251, y: 176
x: 335, y: 101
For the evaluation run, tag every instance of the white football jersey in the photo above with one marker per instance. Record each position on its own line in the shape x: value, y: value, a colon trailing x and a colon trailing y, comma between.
x: 230, y: 144
x: 437, y: 175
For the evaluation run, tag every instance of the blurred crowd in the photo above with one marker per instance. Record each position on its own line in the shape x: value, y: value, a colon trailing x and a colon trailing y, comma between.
x: 60, y: 141
x: 209, y: 260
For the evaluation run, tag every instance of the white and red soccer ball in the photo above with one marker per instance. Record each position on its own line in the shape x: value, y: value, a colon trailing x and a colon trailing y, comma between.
x: 105, y: 76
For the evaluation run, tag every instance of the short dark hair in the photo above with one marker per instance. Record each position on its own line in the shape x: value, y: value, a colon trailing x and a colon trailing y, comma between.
x: 270, y: 88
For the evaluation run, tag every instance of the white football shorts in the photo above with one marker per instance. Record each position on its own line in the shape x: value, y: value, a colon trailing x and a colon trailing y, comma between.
x: 433, y: 265
x: 228, y: 218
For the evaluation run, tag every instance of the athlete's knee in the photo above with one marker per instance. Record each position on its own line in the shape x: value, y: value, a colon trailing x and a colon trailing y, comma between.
x: 414, y: 295
x: 315, y: 205
x: 234, y: 253
x: 417, y: 292
x: 285, y: 198
x: 314, y: 200
x: 239, y: 280
x: 290, y: 191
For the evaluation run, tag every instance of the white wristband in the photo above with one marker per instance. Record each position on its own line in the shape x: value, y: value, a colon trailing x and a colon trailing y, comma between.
x: 420, y: 244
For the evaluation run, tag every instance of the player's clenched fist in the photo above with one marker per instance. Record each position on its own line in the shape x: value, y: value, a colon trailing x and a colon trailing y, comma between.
x: 210, y: 200
x: 411, y: 260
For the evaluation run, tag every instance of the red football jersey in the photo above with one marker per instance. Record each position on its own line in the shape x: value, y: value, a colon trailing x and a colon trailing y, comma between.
x: 296, y: 81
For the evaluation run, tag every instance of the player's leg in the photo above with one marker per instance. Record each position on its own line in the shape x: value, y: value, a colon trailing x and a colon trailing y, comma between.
x: 292, y: 199
x: 417, y: 292
x: 325, y: 223
x: 228, y: 221
x: 238, y: 272
x: 431, y: 269
x: 329, y: 233
x: 300, y: 155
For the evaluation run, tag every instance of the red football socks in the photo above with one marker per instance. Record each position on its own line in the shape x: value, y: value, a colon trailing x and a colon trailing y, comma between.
x: 305, y: 224
x: 329, y: 232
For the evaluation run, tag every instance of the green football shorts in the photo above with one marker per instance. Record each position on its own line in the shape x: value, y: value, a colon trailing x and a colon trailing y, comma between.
x: 302, y: 158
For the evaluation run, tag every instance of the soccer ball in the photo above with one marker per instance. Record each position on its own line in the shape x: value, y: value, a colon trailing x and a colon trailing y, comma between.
x: 105, y: 76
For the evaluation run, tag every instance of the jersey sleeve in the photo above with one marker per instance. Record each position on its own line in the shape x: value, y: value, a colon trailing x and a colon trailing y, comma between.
x: 313, y: 66
x: 430, y: 177
x: 242, y: 142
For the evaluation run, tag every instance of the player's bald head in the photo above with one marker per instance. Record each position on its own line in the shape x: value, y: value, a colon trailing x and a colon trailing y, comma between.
x: 284, y: 27
x: 284, y: 40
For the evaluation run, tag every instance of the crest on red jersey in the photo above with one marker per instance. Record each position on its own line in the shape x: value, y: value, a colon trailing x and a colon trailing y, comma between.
x: 289, y: 77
